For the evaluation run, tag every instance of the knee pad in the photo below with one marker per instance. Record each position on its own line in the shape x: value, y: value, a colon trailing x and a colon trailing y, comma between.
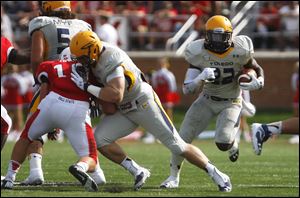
x: 224, y: 146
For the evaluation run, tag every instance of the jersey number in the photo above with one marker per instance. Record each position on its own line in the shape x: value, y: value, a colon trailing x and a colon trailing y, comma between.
x: 59, y: 70
x: 225, y: 80
x: 63, y: 35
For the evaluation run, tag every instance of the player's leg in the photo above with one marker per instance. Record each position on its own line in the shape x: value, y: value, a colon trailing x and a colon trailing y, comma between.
x: 77, y: 127
x: 227, y: 125
x: 111, y: 128
x: 6, y: 124
x: 151, y: 116
x: 262, y: 132
x: 195, y: 121
x: 36, y: 123
x: 35, y: 150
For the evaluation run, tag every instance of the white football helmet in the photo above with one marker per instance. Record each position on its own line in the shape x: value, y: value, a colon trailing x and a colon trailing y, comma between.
x: 65, y: 55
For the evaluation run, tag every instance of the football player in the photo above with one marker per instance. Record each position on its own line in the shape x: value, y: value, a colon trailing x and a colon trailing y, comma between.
x: 215, y: 63
x: 137, y: 105
x: 50, y: 33
x: 262, y: 132
x: 9, y: 55
x: 73, y: 106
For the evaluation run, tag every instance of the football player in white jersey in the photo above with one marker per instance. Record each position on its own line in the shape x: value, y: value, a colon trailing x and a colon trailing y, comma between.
x: 215, y: 63
x: 50, y: 33
x: 136, y: 105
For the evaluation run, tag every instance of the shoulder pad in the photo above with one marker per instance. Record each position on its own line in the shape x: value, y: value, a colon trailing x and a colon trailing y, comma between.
x: 193, y: 49
x: 37, y: 23
x: 114, y: 59
x: 245, y: 43
x: 88, y: 26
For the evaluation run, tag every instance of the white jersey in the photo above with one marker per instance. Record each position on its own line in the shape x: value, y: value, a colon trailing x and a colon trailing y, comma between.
x: 227, y: 65
x: 113, y: 57
x: 57, y: 32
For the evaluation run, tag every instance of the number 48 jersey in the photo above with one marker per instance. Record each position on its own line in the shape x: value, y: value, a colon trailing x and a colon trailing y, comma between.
x: 58, y: 32
x: 58, y: 74
x: 227, y: 65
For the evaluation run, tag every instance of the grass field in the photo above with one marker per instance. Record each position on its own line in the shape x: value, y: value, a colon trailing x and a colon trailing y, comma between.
x: 273, y: 174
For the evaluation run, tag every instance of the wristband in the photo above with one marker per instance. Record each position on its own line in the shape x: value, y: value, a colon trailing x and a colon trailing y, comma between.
x: 94, y: 90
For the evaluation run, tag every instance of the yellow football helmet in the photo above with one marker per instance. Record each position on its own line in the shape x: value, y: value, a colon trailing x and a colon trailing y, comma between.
x: 85, y: 46
x: 218, y: 34
x: 48, y: 6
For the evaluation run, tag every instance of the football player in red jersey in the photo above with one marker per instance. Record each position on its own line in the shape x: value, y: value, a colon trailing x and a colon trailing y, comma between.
x: 65, y: 107
x: 8, y: 55
x: 50, y: 33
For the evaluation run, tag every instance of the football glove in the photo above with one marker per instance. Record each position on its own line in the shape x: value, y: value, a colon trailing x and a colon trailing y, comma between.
x: 95, y: 110
x: 207, y: 74
x: 79, y: 77
x: 255, y: 83
x: 53, y: 135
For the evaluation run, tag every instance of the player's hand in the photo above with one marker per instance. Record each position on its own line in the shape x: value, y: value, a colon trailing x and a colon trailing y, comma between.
x: 53, y: 135
x: 95, y: 108
x: 78, y: 80
x: 255, y: 83
x: 207, y: 74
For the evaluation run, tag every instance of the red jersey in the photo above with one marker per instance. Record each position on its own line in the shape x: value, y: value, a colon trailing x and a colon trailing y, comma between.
x: 6, y: 48
x: 59, y: 77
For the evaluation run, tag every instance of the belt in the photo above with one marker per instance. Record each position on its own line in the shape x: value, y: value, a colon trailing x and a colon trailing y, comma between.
x: 215, y: 98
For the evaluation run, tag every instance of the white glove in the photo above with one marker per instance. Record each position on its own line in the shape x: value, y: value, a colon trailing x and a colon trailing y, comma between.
x: 256, y: 83
x: 78, y: 80
x: 207, y: 74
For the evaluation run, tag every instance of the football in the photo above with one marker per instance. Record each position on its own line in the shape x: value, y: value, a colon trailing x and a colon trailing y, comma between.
x: 246, y: 75
x: 108, y: 108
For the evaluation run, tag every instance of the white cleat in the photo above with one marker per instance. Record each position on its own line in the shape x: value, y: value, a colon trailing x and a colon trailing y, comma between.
x: 170, y: 182
x: 33, y: 180
x: 141, y: 178
x: 2, y: 177
x: 98, y: 177
x: 222, y: 180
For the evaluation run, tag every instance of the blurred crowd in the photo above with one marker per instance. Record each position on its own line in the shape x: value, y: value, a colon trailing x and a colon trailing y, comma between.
x: 151, y: 23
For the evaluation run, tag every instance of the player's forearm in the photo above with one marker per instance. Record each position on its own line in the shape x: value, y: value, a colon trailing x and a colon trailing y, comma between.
x: 192, y: 87
x: 108, y: 93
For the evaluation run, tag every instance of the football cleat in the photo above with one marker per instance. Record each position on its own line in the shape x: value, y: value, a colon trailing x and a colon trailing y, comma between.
x: 88, y: 183
x: 2, y: 177
x: 141, y: 178
x: 260, y: 134
x: 170, y: 182
x: 234, y: 152
x: 98, y: 177
x: 35, y: 178
x: 7, y: 184
x: 222, y: 180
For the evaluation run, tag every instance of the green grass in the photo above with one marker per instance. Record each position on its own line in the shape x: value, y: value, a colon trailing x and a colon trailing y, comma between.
x: 273, y: 174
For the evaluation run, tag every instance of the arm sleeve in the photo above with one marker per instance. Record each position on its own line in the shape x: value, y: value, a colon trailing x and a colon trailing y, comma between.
x: 191, y: 84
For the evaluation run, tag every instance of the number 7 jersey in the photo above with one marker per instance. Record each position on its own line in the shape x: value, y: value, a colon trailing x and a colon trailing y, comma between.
x: 227, y: 65
x: 57, y: 32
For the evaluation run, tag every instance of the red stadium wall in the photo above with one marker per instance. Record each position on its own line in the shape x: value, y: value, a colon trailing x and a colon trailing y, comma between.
x: 278, y: 68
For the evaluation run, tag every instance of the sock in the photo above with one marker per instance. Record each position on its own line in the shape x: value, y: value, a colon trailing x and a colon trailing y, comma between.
x: 210, y: 169
x: 275, y: 127
x: 131, y: 166
x: 175, y: 164
x: 35, y: 161
x: 83, y: 166
x: 13, y: 168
